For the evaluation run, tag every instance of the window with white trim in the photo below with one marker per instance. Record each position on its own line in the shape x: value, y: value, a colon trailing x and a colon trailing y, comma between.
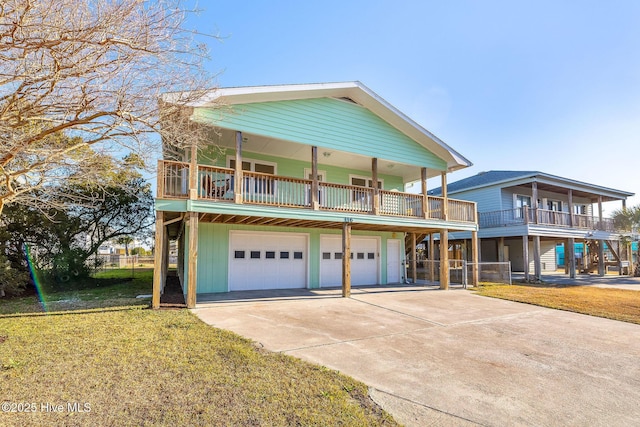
x: 322, y: 177
x: 580, y: 209
x: 520, y: 202
x: 362, y: 181
x: 554, y: 205
x: 260, y: 185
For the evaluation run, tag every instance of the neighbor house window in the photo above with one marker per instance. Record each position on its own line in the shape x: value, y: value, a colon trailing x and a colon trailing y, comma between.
x: 554, y: 205
x: 520, y: 202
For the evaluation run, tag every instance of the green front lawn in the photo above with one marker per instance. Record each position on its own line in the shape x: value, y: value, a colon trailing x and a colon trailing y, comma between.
x: 128, y: 365
x: 107, y: 288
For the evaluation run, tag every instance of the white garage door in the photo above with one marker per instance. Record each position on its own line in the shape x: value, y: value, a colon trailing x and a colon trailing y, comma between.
x: 364, y: 260
x: 267, y: 260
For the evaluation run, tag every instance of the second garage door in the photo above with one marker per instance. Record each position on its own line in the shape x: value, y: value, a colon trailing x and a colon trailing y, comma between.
x: 364, y: 260
x: 267, y: 260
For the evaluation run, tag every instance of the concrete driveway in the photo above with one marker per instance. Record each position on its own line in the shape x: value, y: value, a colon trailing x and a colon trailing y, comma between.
x: 436, y: 357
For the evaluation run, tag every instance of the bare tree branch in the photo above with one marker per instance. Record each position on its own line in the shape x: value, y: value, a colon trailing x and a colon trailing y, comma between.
x: 76, y: 74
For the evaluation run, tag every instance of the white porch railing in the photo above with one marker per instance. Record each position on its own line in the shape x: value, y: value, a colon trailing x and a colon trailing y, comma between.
x: 217, y: 184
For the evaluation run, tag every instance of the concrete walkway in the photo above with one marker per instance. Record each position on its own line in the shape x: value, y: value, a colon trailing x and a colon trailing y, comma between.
x: 451, y: 357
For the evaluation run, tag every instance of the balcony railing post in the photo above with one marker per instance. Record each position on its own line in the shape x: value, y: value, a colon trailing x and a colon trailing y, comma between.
x: 193, y: 174
x: 375, y: 208
x: 238, y: 187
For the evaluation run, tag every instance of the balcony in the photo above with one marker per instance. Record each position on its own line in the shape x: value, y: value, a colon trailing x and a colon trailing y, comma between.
x: 526, y: 215
x: 216, y: 184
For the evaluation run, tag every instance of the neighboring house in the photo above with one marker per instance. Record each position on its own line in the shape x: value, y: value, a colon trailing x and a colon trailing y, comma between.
x: 524, y: 215
x: 295, y: 173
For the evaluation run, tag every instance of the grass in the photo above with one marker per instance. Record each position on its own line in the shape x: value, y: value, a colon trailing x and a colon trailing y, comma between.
x: 616, y: 304
x: 133, y: 366
x: 105, y: 289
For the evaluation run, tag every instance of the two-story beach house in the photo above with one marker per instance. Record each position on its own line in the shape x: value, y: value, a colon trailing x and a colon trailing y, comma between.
x: 302, y: 186
x: 525, y: 215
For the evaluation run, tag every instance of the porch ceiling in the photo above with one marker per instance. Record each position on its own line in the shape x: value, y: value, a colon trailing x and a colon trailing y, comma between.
x: 288, y: 222
x: 175, y: 227
x: 293, y: 150
x: 563, y: 190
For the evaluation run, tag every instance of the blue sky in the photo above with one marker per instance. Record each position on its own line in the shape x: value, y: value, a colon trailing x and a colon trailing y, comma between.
x: 523, y: 85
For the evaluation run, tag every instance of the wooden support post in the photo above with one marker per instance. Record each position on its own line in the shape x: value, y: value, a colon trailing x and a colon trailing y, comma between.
x: 601, y: 270
x: 619, y: 257
x: 534, y: 201
x: 425, y: 198
x: 475, y: 276
x: 375, y: 208
x: 630, y: 259
x: 445, y: 197
x: 193, y: 260
x: 600, y: 212
x: 314, y: 179
x: 414, y: 261
x: 537, y: 263
x: 165, y: 260
x: 500, y: 249
x: 346, y: 260
x: 571, y: 220
x: 525, y: 256
x: 444, y: 259
x: 238, y: 179
x: 193, y: 173
x: 158, y: 257
x: 432, y: 258
x: 571, y: 253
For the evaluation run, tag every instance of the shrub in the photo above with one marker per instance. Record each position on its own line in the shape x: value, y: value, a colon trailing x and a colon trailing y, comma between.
x: 12, y: 281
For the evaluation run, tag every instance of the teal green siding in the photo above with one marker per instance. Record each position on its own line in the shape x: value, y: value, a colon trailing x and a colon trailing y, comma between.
x: 213, y: 253
x: 295, y: 169
x: 324, y: 122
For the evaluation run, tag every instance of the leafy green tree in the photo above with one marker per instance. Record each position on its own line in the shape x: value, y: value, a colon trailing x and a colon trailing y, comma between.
x: 62, y: 240
x: 125, y: 240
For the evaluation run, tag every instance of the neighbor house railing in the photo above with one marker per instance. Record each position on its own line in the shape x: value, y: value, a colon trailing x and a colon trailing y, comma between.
x: 526, y: 215
x: 217, y: 184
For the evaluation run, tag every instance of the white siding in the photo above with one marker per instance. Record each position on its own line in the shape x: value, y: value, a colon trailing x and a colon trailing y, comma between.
x: 547, y: 256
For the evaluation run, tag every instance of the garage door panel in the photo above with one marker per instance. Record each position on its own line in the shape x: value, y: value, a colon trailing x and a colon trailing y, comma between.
x: 364, y: 260
x: 271, y: 261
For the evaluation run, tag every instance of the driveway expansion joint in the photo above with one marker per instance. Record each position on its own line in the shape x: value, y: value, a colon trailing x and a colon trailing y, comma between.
x: 370, y: 337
